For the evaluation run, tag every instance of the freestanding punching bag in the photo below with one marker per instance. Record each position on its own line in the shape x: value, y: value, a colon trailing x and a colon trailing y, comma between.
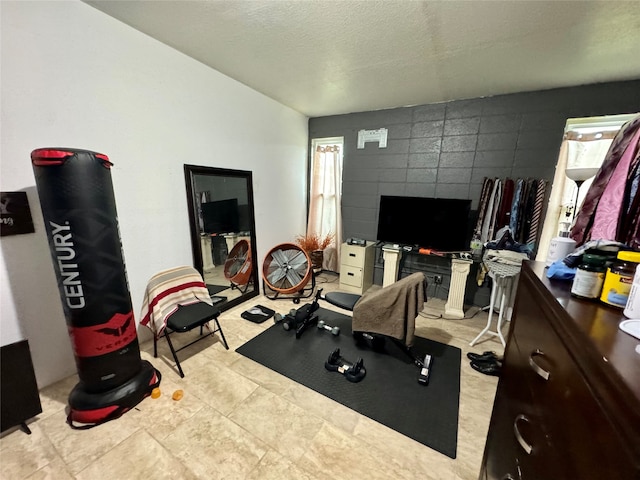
x: 78, y: 206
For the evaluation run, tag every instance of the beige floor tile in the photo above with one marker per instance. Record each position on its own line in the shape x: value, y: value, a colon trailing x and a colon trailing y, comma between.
x: 282, y: 425
x: 160, y: 416
x: 54, y: 470
x: 55, y: 398
x: 261, y: 375
x: 214, y: 447
x: 337, y: 455
x: 219, y: 386
x: 410, y: 458
x: 274, y: 466
x: 129, y: 460
x: 79, y: 448
x: 22, y: 455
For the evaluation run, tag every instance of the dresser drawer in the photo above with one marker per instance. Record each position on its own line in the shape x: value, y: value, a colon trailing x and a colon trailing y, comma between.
x: 572, y: 414
x: 519, y: 443
x: 353, y: 255
x: 351, y: 276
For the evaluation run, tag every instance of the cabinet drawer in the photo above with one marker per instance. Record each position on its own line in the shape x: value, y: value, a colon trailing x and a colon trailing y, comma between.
x: 519, y: 446
x: 577, y: 424
x: 353, y: 255
x: 351, y: 276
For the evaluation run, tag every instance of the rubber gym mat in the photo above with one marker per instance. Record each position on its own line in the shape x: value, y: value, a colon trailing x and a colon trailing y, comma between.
x: 389, y: 394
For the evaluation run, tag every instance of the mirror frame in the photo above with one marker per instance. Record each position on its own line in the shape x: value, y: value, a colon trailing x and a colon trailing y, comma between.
x: 189, y: 172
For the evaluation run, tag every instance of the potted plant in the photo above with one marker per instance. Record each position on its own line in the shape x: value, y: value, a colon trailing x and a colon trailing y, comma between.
x: 314, y: 246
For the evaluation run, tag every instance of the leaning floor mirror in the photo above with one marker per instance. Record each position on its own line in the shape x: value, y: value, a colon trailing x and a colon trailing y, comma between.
x: 222, y: 222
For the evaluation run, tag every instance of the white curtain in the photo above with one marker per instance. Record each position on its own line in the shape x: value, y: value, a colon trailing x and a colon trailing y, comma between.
x: 325, y: 215
x: 578, y: 150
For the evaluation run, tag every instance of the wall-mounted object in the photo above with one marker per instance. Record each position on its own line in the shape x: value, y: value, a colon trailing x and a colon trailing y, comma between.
x: 15, y: 215
x: 379, y: 135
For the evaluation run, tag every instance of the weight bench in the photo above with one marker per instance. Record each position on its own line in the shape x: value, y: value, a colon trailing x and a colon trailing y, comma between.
x: 389, y: 312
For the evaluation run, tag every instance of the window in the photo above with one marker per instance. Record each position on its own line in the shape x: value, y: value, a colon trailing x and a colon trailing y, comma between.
x: 585, y: 144
x: 325, y: 194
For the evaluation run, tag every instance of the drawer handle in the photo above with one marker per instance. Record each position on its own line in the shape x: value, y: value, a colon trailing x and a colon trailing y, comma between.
x: 536, y: 368
x: 352, y: 254
x: 525, y: 446
x: 350, y: 274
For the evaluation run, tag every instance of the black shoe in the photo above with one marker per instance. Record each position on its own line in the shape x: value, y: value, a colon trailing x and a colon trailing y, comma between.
x: 484, y: 357
x: 492, y: 368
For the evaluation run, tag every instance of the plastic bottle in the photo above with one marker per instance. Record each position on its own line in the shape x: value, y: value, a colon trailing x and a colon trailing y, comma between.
x: 560, y: 247
x: 632, y: 309
x: 589, y: 277
x: 618, y: 280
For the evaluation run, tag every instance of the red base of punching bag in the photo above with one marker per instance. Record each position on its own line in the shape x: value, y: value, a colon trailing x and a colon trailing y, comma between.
x: 91, y: 409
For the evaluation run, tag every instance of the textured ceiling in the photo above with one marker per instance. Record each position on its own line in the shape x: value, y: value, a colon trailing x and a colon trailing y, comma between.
x: 325, y: 57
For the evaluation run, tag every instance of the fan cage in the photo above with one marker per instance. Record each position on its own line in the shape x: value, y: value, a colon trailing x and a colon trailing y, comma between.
x: 237, y: 266
x: 287, y: 268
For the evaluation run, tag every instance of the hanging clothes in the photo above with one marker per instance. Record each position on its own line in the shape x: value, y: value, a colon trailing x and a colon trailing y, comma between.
x: 512, y: 206
x: 540, y: 191
x: 488, y: 226
x: 630, y: 226
x: 516, y: 208
x: 610, y: 207
x: 625, y: 141
x: 487, y: 188
x: 504, y: 213
x: 528, y: 198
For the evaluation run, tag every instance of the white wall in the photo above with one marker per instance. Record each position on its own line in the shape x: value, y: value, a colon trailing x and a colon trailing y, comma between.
x: 74, y: 77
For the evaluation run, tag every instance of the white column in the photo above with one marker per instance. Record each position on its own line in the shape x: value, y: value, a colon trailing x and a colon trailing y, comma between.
x: 391, y: 257
x: 231, y: 241
x: 455, y: 301
x: 207, y: 258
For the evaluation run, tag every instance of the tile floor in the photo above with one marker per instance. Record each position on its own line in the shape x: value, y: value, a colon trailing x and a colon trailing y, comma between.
x: 240, y: 420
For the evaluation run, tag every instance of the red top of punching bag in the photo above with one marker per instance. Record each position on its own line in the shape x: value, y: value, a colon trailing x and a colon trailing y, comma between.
x: 45, y: 157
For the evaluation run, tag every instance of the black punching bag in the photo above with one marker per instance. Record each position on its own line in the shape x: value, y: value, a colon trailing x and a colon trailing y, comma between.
x: 78, y: 206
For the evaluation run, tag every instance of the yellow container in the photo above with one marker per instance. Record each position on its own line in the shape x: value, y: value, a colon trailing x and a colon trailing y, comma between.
x: 619, y: 278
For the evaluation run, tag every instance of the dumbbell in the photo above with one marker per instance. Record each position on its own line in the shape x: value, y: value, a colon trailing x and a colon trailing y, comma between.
x: 278, y: 317
x: 333, y: 330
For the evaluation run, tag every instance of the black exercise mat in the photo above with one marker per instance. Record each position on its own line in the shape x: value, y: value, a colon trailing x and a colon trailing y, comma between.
x: 389, y: 394
x: 214, y: 289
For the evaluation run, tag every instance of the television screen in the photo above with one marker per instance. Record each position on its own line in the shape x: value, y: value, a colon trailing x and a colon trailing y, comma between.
x: 221, y: 216
x: 437, y: 223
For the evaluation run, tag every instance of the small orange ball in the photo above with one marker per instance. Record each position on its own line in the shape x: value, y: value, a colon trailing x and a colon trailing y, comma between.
x: 177, y: 395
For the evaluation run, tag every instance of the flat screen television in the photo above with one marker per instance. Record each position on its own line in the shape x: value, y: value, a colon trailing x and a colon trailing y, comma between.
x: 437, y: 223
x: 221, y: 216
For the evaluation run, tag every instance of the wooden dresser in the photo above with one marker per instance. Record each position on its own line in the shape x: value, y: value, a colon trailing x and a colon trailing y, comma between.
x: 568, y: 398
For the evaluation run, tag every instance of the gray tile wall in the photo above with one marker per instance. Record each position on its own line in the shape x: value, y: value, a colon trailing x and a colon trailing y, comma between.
x: 447, y: 149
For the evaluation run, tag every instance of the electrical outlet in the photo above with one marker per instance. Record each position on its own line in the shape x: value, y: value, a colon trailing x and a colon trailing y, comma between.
x: 437, y: 279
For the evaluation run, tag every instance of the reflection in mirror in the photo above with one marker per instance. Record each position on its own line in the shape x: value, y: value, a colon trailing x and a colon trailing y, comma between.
x: 222, y: 224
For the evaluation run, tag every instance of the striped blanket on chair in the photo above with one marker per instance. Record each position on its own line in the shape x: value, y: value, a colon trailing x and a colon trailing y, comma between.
x: 168, y: 289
